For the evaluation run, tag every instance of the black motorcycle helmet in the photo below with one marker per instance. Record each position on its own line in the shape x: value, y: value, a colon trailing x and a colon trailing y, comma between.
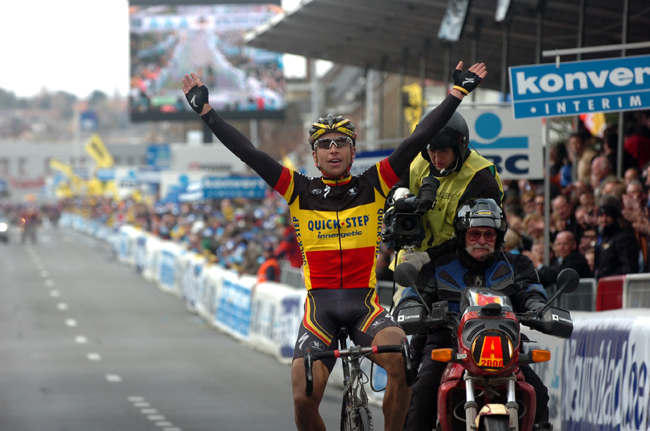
x: 454, y: 135
x: 480, y: 213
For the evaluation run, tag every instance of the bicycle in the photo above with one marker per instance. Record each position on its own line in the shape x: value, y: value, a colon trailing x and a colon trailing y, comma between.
x: 355, y: 414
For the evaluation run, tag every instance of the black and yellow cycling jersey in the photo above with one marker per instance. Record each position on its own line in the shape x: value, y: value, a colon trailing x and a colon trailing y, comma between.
x: 338, y: 222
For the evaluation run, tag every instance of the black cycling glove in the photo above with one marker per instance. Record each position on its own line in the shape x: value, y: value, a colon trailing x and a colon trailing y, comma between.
x: 197, y: 97
x: 465, y: 81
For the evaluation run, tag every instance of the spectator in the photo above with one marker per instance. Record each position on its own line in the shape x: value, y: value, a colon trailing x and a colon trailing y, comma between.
x: 566, y: 256
x: 528, y: 202
x: 631, y: 174
x: 563, y: 207
x: 269, y: 270
x: 610, y: 148
x: 580, y: 155
x: 534, y: 226
x: 540, y: 200
x: 601, y: 172
x: 616, y: 249
x: 637, y: 143
x: 635, y: 211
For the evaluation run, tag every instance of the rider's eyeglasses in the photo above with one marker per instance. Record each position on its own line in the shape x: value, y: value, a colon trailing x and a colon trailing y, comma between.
x: 340, y: 142
x: 475, y: 235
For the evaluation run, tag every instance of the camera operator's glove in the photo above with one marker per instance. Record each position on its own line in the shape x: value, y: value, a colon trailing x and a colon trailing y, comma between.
x: 401, y: 193
x: 465, y: 81
x: 197, y: 97
x: 417, y: 258
x: 427, y: 194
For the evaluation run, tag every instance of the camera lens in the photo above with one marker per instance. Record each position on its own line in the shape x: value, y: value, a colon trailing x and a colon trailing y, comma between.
x: 408, y: 224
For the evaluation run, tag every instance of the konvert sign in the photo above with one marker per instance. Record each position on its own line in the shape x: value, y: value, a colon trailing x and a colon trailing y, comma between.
x: 549, y: 90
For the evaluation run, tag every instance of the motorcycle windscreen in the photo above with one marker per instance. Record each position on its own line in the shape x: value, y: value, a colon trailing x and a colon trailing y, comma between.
x: 492, y: 351
x: 480, y: 296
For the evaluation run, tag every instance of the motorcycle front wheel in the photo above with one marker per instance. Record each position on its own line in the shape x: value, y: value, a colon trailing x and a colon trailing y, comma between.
x: 495, y: 423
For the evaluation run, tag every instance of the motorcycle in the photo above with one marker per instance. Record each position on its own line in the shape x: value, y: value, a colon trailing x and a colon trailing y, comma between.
x: 483, y: 376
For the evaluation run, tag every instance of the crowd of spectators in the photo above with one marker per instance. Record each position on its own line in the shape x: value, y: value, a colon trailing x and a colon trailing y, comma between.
x: 239, y: 234
x: 599, y: 221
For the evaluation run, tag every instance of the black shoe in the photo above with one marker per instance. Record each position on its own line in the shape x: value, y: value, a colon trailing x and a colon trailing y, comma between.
x: 543, y: 426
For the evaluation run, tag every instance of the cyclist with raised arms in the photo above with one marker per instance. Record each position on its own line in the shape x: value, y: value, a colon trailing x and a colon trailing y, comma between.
x: 338, y: 220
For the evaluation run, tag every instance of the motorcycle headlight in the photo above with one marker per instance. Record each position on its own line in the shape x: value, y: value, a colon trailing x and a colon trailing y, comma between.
x: 3, y: 227
x: 492, y: 350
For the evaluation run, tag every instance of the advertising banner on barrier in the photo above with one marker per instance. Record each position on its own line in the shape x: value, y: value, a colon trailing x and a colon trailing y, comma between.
x: 276, y: 316
x: 605, y: 378
x: 234, y: 305
x: 166, y: 266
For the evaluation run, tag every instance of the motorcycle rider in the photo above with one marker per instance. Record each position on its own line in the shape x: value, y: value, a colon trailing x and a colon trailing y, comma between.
x: 478, y: 260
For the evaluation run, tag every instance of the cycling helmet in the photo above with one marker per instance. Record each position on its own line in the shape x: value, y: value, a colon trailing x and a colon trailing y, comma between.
x: 454, y: 135
x: 331, y: 124
x: 481, y: 213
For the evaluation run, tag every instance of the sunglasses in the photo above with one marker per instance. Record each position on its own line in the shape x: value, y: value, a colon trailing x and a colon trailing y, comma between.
x: 340, y: 142
x: 475, y: 235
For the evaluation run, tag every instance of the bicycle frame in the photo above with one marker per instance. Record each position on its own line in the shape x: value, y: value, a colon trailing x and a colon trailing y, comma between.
x: 355, y: 414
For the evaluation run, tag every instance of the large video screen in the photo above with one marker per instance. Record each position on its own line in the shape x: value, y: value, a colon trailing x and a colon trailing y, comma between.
x: 169, y: 41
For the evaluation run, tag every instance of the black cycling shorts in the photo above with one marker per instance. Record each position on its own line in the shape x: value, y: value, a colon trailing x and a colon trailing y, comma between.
x: 326, y: 310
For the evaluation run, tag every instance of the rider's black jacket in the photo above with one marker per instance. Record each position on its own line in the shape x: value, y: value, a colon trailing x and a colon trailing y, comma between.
x: 512, y: 274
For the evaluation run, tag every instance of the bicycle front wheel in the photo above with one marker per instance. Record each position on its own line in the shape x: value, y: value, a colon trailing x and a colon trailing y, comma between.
x: 355, y: 418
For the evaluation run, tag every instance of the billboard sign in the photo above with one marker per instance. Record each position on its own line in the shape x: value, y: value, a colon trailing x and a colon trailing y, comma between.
x: 233, y: 187
x: 515, y: 147
x: 168, y: 42
x: 581, y: 87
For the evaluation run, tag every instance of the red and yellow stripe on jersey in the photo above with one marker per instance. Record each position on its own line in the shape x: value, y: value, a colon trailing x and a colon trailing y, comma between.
x: 338, y: 224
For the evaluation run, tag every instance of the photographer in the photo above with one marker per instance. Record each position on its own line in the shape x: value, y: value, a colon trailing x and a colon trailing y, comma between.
x: 460, y: 174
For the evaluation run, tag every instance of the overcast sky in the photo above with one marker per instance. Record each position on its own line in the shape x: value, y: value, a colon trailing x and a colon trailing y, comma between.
x: 71, y: 45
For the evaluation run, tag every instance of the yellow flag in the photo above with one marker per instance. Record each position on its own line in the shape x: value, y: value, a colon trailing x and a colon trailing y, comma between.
x: 96, y: 149
x: 95, y: 187
x: 413, y: 109
x: 61, y: 167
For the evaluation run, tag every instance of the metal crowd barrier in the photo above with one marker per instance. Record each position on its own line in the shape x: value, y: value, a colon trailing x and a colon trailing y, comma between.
x: 582, y: 299
x: 636, y: 291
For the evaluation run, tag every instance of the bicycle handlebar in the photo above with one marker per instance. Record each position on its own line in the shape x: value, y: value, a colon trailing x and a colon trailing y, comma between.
x: 356, y: 352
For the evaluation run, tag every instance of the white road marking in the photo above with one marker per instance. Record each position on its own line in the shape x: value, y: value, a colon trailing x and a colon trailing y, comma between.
x: 164, y: 424
x: 135, y: 399
x: 80, y: 339
x: 156, y: 417
x: 49, y: 283
x: 172, y: 429
x: 70, y: 322
x: 139, y: 404
x: 148, y: 411
x: 113, y: 378
x: 45, y: 274
x: 62, y: 306
x: 94, y: 356
x: 55, y: 293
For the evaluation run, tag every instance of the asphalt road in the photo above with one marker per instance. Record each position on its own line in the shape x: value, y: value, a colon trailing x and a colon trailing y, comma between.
x: 86, y: 344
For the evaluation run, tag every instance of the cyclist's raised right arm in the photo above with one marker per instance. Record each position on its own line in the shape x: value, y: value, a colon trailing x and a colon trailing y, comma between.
x: 263, y: 164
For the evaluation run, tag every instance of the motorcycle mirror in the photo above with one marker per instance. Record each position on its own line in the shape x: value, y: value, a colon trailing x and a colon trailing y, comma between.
x: 405, y: 274
x: 567, y: 280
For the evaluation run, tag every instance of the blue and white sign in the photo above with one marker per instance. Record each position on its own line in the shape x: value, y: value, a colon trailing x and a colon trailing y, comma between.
x: 159, y: 156
x: 233, y: 187
x: 515, y: 147
x: 581, y: 87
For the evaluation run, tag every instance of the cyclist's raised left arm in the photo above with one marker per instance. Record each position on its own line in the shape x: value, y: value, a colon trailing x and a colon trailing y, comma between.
x: 433, y: 122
